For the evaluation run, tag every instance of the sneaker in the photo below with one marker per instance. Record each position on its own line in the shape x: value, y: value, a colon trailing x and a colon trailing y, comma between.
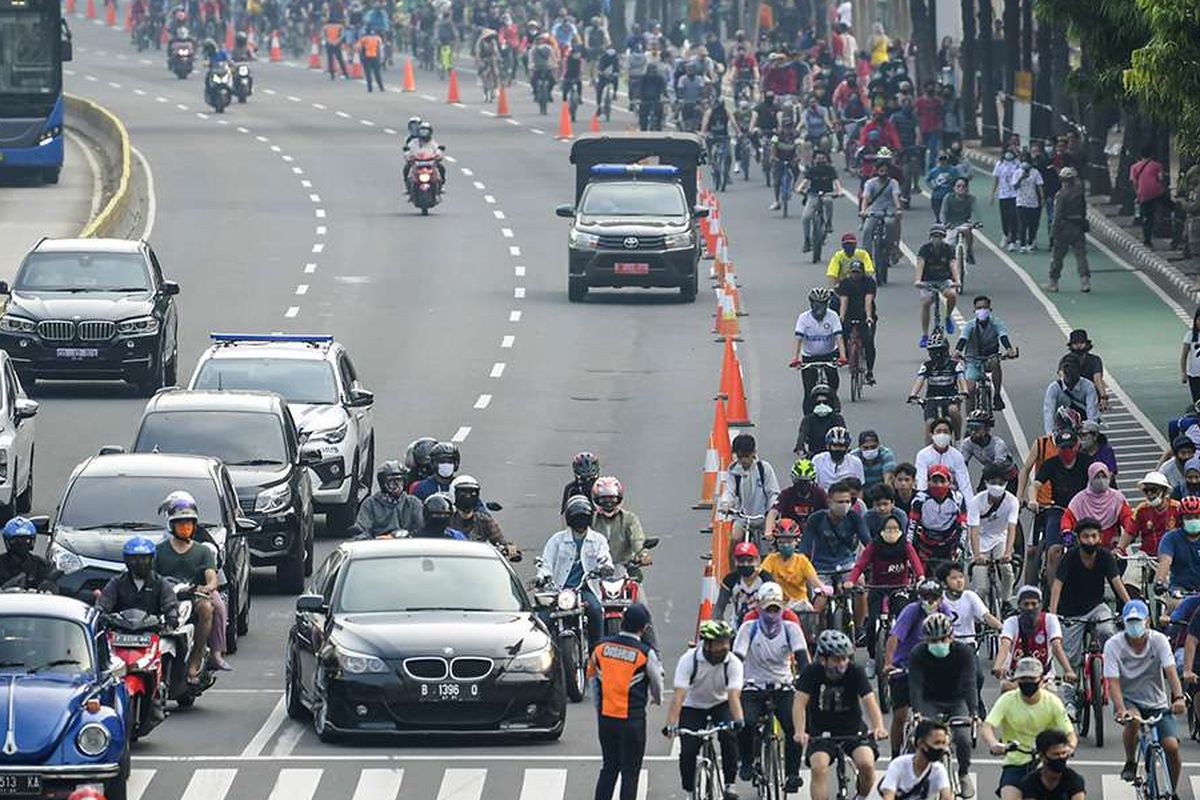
x: 860, y: 638
x: 774, y: 206
x: 998, y: 403
x: 869, y: 378
x: 729, y: 793
x: 924, y: 341
x: 1051, y: 286
x: 970, y: 257
x: 869, y: 667
x: 1085, y: 284
x: 792, y: 784
x: 966, y: 789
x: 950, y: 325
x: 1011, y: 247
x: 1129, y: 772
x: 1025, y: 248
x: 746, y: 772
x: 829, y: 227
x: 1072, y: 714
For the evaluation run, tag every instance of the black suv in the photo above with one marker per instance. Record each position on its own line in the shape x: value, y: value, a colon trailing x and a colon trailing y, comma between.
x: 91, y: 308
x: 255, y: 435
x: 634, y: 224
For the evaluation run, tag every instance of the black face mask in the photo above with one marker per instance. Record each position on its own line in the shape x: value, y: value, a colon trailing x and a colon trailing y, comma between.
x: 1055, y: 764
x: 935, y: 754
x: 140, y: 568
x: 1028, y: 688
x: 437, y: 524
x: 1027, y: 618
x: 848, y: 249
x: 1088, y: 549
x: 21, y: 546
x: 746, y: 570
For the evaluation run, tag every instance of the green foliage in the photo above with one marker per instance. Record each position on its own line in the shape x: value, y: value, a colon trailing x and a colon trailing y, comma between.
x: 1164, y: 72
x: 1109, y: 31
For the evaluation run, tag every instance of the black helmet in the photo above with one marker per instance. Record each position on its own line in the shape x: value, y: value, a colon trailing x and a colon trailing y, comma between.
x: 241, y: 39
x: 210, y: 46
x: 579, y: 512
x: 586, y: 466
x: 438, y: 507
x: 416, y: 457
x: 442, y: 452
x: 390, y: 470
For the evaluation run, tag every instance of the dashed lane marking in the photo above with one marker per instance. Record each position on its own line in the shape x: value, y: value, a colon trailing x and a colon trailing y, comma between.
x: 483, y: 402
x: 461, y: 434
x: 497, y: 369
x: 508, y: 341
x: 292, y: 312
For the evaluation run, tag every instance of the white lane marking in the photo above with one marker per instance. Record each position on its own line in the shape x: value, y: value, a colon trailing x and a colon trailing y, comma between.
x: 145, y: 61
x: 296, y: 784
x: 1116, y: 789
x: 268, y: 91
x: 460, y: 436
x: 293, y: 98
x: 181, y: 106
x: 378, y: 784
x: 538, y: 131
x: 316, y: 198
x: 306, y: 183
x: 262, y: 139
x: 151, y: 193
x: 342, y: 114
x: 276, y: 148
x: 519, y: 293
x: 483, y: 402
x: 209, y: 784
x: 512, y: 121
x: 487, y: 113
x: 487, y: 198
x: 160, y: 99
x: 318, y: 247
x: 302, y: 289
x: 320, y: 212
x: 91, y: 78
x: 514, y: 250
x: 222, y: 122
x: 498, y: 214
x: 240, y: 129
x: 139, y: 779
x: 297, y: 171
x: 462, y: 784
x: 140, y: 92
x: 114, y: 85
x: 467, y: 172
x: 287, y: 158
x: 93, y: 167
x: 514, y: 316
x: 318, y: 106
x: 497, y: 369
x: 310, y: 268
x: 292, y: 312
x: 366, y: 122
x: 479, y: 185
x: 201, y: 115
x: 389, y: 131
x: 508, y: 341
x: 428, y: 97
x: 70, y: 73
x: 519, y: 271
x: 321, y: 230
x: 538, y: 784
x: 452, y: 159
x: 507, y: 233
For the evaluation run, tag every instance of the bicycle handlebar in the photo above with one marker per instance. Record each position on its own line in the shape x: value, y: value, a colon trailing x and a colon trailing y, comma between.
x: 712, y: 730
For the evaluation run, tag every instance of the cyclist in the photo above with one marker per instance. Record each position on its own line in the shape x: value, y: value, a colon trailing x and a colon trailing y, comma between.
x: 1078, y: 592
x: 832, y: 536
x: 881, y: 199
x: 835, y: 463
x: 882, y: 501
x: 815, y: 427
x: 785, y: 154
x: 1020, y: 716
x: 937, y: 520
x: 741, y: 586
x: 586, y: 468
x: 905, y: 483
x: 937, y: 266
x: 751, y: 488
x: 818, y: 341
x: 572, y: 74
x: 1071, y: 390
x: 887, y: 564
x: 942, y: 379
x: 1066, y: 473
x: 850, y: 252
x: 818, y: 124
x: 799, y: 500
x: 970, y: 615
x: 992, y: 517
x: 831, y: 694
x: 1091, y: 366
x: 1183, y: 450
x: 1135, y: 665
x: 1041, y: 451
x: 940, y: 181
x: 858, y: 312
x: 1154, y: 516
x: 879, y: 461
x: 1179, y: 551
x: 1034, y: 633
x: 796, y: 575
x: 987, y: 448
x: 708, y: 689
x: 958, y: 211
x: 819, y: 185
x: 1094, y: 444
x: 1054, y: 780
x: 920, y: 775
x: 941, y: 681
x: 942, y: 452
x: 906, y: 634
x: 979, y: 347
x: 718, y: 127
x: 1101, y: 502
x: 767, y: 646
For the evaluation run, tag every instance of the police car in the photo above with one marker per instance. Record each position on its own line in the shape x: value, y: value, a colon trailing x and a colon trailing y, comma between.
x: 332, y: 410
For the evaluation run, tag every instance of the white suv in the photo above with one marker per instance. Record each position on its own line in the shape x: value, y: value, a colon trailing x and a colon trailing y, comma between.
x: 332, y: 410
x: 16, y: 442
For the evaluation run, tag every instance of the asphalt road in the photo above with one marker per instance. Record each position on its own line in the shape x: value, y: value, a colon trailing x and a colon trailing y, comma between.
x: 287, y: 214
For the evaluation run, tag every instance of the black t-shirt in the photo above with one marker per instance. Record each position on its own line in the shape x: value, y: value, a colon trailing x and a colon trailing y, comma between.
x: 1089, y: 364
x: 938, y: 256
x: 766, y: 116
x: 856, y: 293
x: 1065, y: 482
x: 1070, y: 784
x: 1083, y: 588
x: 794, y: 506
x: 833, y: 705
x: 821, y: 178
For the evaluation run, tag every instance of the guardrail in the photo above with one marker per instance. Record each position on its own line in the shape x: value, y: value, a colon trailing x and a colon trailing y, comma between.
x: 109, y: 134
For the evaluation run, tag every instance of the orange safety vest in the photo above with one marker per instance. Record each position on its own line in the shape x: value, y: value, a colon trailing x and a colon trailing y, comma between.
x: 370, y: 45
x: 333, y: 33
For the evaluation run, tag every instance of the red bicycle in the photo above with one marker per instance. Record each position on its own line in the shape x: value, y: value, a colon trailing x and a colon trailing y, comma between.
x: 1092, y: 694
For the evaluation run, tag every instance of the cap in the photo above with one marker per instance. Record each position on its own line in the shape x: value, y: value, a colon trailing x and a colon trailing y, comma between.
x: 1065, y: 439
x: 1027, y: 667
x: 1026, y: 592
x: 1135, y: 609
x: 745, y: 550
x: 635, y: 619
x: 1078, y: 336
x: 1089, y: 426
x: 849, y: 238
x: 1067, y: 172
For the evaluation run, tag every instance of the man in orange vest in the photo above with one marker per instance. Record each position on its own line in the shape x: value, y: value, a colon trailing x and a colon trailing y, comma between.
x: 333, y: 48
x: 371, y: 49
x: 628, y: 675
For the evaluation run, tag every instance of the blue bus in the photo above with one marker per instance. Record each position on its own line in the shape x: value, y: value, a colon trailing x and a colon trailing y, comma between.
x: 34, y: 43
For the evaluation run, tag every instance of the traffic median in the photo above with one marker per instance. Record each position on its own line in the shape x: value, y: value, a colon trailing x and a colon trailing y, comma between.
x: 126, y: 202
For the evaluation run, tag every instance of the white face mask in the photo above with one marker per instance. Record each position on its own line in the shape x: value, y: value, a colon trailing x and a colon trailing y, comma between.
x: 869, y: 453
x: 445, y: 469
x: 941, y: 440
x: 996, y: 489
x: 823, y: 409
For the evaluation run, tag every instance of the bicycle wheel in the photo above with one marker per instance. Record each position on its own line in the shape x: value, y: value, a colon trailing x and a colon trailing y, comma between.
x: 1096, y: 679
x: 818, y: 232
x: 856, y: 372
x: 771, y: 785
x: 1083, y: 709
x: 960, y: 253
x: 880, y: 255
x: 881, y: 677
x: 1158, y: 775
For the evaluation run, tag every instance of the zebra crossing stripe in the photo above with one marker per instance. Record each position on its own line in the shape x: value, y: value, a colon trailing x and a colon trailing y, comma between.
x: 378, y: 784
x: 462, y: 784
x: 296, y: 784
x: 139, y: 779
x: 209, y: 784
x: 539, y: 784
x: 1116, y: 789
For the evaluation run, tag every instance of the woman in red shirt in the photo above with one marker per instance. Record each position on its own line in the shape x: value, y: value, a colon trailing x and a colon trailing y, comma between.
x: 1154, y: 516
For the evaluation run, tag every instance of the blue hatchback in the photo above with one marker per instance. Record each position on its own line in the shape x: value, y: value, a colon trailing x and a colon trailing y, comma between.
x: 62, y: 703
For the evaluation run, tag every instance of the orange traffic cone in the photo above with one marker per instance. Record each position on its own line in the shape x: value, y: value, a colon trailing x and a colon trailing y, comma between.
x: 229, y: 36
x: 595, y: 126
x: 110, y: 14
x: 410, y: 80
x: 727, y: 321
x: 314, y: 54
x: 502, y: 103
x: 733, y: 389
x: 91, y: 9
x: 276, y: 52
x: 731, y: 289
x: 708, y: 483
x: 564, y: 123
x: 722, y: 533
x: 721, y: 262
x: 452, y: 95
x: 128, y: 18
x: 71, y: 7
x: 720, y: 435
x: 708, y: 594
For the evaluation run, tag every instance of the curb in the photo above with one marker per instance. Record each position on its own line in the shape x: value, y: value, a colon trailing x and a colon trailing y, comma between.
x: 103, y: 128
x: 1105, y: 231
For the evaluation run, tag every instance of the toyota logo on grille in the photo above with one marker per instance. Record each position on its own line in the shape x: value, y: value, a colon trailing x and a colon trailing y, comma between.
x: 631, y: 243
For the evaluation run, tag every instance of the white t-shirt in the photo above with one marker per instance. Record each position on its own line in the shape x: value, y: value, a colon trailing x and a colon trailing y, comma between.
x: 845, y: 13
x: 900, y: 778
x: 1011, y: 629
x: 830, y: 472
x: 768, y: 660
x: 952, y: 457
x: 968, y: 610
x: 820, y: 336
x: 993, y: 528
x: 1141, y: 674
x: 713, y: 681
x: 1192, y: 368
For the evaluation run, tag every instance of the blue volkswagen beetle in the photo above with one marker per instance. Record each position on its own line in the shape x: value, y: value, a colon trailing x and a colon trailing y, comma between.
x: 62, y: 703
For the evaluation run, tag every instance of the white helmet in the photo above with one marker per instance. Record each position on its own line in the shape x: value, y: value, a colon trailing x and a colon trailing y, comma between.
x: 770, y: 594
x: 464, y: 482
x: 1155, y: 478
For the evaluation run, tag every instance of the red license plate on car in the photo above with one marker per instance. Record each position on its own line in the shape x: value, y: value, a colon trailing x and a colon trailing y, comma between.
x: 622, y: 268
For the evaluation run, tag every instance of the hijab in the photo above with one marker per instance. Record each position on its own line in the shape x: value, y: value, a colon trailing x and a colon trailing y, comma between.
x: 1104, y: 506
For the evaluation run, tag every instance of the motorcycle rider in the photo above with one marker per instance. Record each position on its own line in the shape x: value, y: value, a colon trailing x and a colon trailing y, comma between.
x: 586, y: 467
x: 425, y: 143
x: 19, y: 567
x: 215, y: 57
x: 241, y: 48
x: 416, y: 455
x: 620, y: 526
x: 439, y: 509
x: 572, y: 553
x: 445, y: 459
x: 389, y: 510
x: 180, y: 558
x: 471, y: 518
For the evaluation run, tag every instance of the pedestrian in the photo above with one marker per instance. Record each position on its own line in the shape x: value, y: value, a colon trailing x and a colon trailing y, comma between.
x: 1150, y: 184
x: 1189, y: 359
x: 333, y: 48
x: 930, y: 118
x: 1051, y: 182
x: 371, y: 48
x: 1028, y: 182
x: 1004, y: 190
x: 1069, y: 229
x: 627, y: 676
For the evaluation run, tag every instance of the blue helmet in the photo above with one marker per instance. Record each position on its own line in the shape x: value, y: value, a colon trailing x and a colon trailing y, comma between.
x: 19, y: 526
x: 139, y: 546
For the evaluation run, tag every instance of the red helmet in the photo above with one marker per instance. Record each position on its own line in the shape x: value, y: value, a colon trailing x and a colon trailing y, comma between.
x: 745, y: 550
x: 86, y: 793
x: 849, y: 238
x: 940, y: 469
x: 1190, y: 505
x: 787, y: 528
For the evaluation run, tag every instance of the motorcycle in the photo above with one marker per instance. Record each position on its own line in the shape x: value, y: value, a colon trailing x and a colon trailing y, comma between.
x: 135, y: 638
x: 564, y: 616
x: 425, y: 179
x: 243, y: 82
x: 218, y: 89
x: 175, y: 650
x: 621, y: 590
x: 181, y: 57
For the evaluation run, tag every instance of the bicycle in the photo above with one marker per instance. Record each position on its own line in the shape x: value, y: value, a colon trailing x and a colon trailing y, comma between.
x: 768, y: 760
x: 994, y: 602
x: 818, y: 232
x: 937, y: 324
x: 880, y: 245
x: 844, y: 783
x: 489, y: 78
x: 856, y: 360
x: 608, y: 88
x: 445, y: 60
x: 787, y: 181
x: 573, y: 98
x: 839, y: 608
x: 710, y: 782
x: 893, y: 602
x: 1153, y: 778
x: 983, y: 395
x: 942, y: 410
x: 960, y: 247
x: 952, y: 722
x: 826, y: 373
x: 742, y: 155
x: 722, y: 161
x: 1095, y: 691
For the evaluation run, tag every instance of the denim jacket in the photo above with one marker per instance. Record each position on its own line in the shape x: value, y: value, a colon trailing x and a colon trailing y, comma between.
x: 558, y: 555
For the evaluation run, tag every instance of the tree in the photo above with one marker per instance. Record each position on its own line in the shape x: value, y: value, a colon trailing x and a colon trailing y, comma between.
x: 925, y: 38
x: 1163, y: 74
x: 970, y: 46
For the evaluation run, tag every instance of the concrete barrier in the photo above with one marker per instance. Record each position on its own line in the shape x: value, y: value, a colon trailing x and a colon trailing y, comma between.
x: 122, y: 211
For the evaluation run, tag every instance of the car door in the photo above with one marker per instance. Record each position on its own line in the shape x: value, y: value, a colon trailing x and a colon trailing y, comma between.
x: 311, y: 626
x: 164, y: 305
x: 22, y: 430
x: 362, y: 418
x: 237, y: 545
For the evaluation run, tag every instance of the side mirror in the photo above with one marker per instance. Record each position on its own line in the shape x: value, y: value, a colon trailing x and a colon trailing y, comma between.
x: 545, y: 600
x: 650, y: 543
x: 4, y: 288
x: 699, y: 212
x: 66, y: 51
x: 360, y: 398
x: 111, y: 450
x: 25, y: 409
x: 565, y: 210
x: 170, y: 288
x: 41, y: 523
x: 310, y: 456
x: 492, y: 505
x: 311, y: 603
x: 246, y: 526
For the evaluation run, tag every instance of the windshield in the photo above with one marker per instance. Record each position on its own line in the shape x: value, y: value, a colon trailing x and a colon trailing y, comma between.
x: 133, y: 501
x: 298, y: 381
x: 83, y: 272
x: 634, y: 200
x: 239, y: 438
x: 28, y: 42
x: 43, y: 644
x: 419, y: 583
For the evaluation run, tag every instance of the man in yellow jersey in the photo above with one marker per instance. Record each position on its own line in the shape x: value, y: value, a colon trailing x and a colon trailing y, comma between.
x: 839, y: 262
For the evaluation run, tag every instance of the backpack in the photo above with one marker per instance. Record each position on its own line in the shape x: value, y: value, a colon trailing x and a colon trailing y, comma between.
x: 696, y: 668
x: 762, y: 481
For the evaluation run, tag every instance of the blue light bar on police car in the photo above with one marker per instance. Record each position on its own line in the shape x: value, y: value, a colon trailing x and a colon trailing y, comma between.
x: 310, y: 338
x: 647, y: 170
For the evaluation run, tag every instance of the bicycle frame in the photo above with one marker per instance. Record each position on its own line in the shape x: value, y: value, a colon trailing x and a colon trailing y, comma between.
x: 768, y: 760
x: 710, y: 782
x: 1151, y: 761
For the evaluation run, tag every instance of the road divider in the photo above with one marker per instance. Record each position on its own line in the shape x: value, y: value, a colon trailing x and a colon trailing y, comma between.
x: 126, y: 190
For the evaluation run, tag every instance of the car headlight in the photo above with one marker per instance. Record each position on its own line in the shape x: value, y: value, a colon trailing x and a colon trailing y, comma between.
x: 678, y: 241
x: 583, y: 241
x: 49, y: 135
x: 138, y: 326
x: 92, y: 739
x: 331, y: 435
x: 63, y: 559
x: 566, y: 600
x: 11, y: 324
x: 536, y: 661
x: 359, y: 663
x: 274, y: 499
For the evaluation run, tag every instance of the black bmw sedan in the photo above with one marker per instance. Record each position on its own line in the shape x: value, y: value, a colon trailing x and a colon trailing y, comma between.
x: 421, y: 636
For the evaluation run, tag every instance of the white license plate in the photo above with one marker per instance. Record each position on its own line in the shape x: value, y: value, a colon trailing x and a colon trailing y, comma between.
x: 623, y: 268
x: 449, y: 692
x: 77, y: 352
x: 20, y: 785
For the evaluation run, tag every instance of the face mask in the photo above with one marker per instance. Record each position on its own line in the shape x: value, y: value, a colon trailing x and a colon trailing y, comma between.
x: 954, y: 594
x: 839, y: 509
x: 771, y: 617
x: 983, y: 314
x: 1135, y: 628
x: 996, y: 489
x: 869, y: 453
x: 818, y: 310
x: 939, y: 649
x: 1055, y: 764
x: 445, y: 469
x: 745, y: 570
x: 21, y: 546
x: 1028, y: 616
x: 1028, y: 688
x: 930, y: 606
x: 823, y: 410
x: 890, y: 536
x: 1009, y: 157
x: 787, y: 550
x: 935, y: 754
x: 848, y: 249
x: 938, y: 491
x: 1088, y: 549
x: 1191, y: 526
x: 837, y: 455
x: 1026, y: 165
x: 1067, y: 453
x: 941, y: 440
x: 1155, y: 501
x: 1098, y: 484
x: 836, y: 670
